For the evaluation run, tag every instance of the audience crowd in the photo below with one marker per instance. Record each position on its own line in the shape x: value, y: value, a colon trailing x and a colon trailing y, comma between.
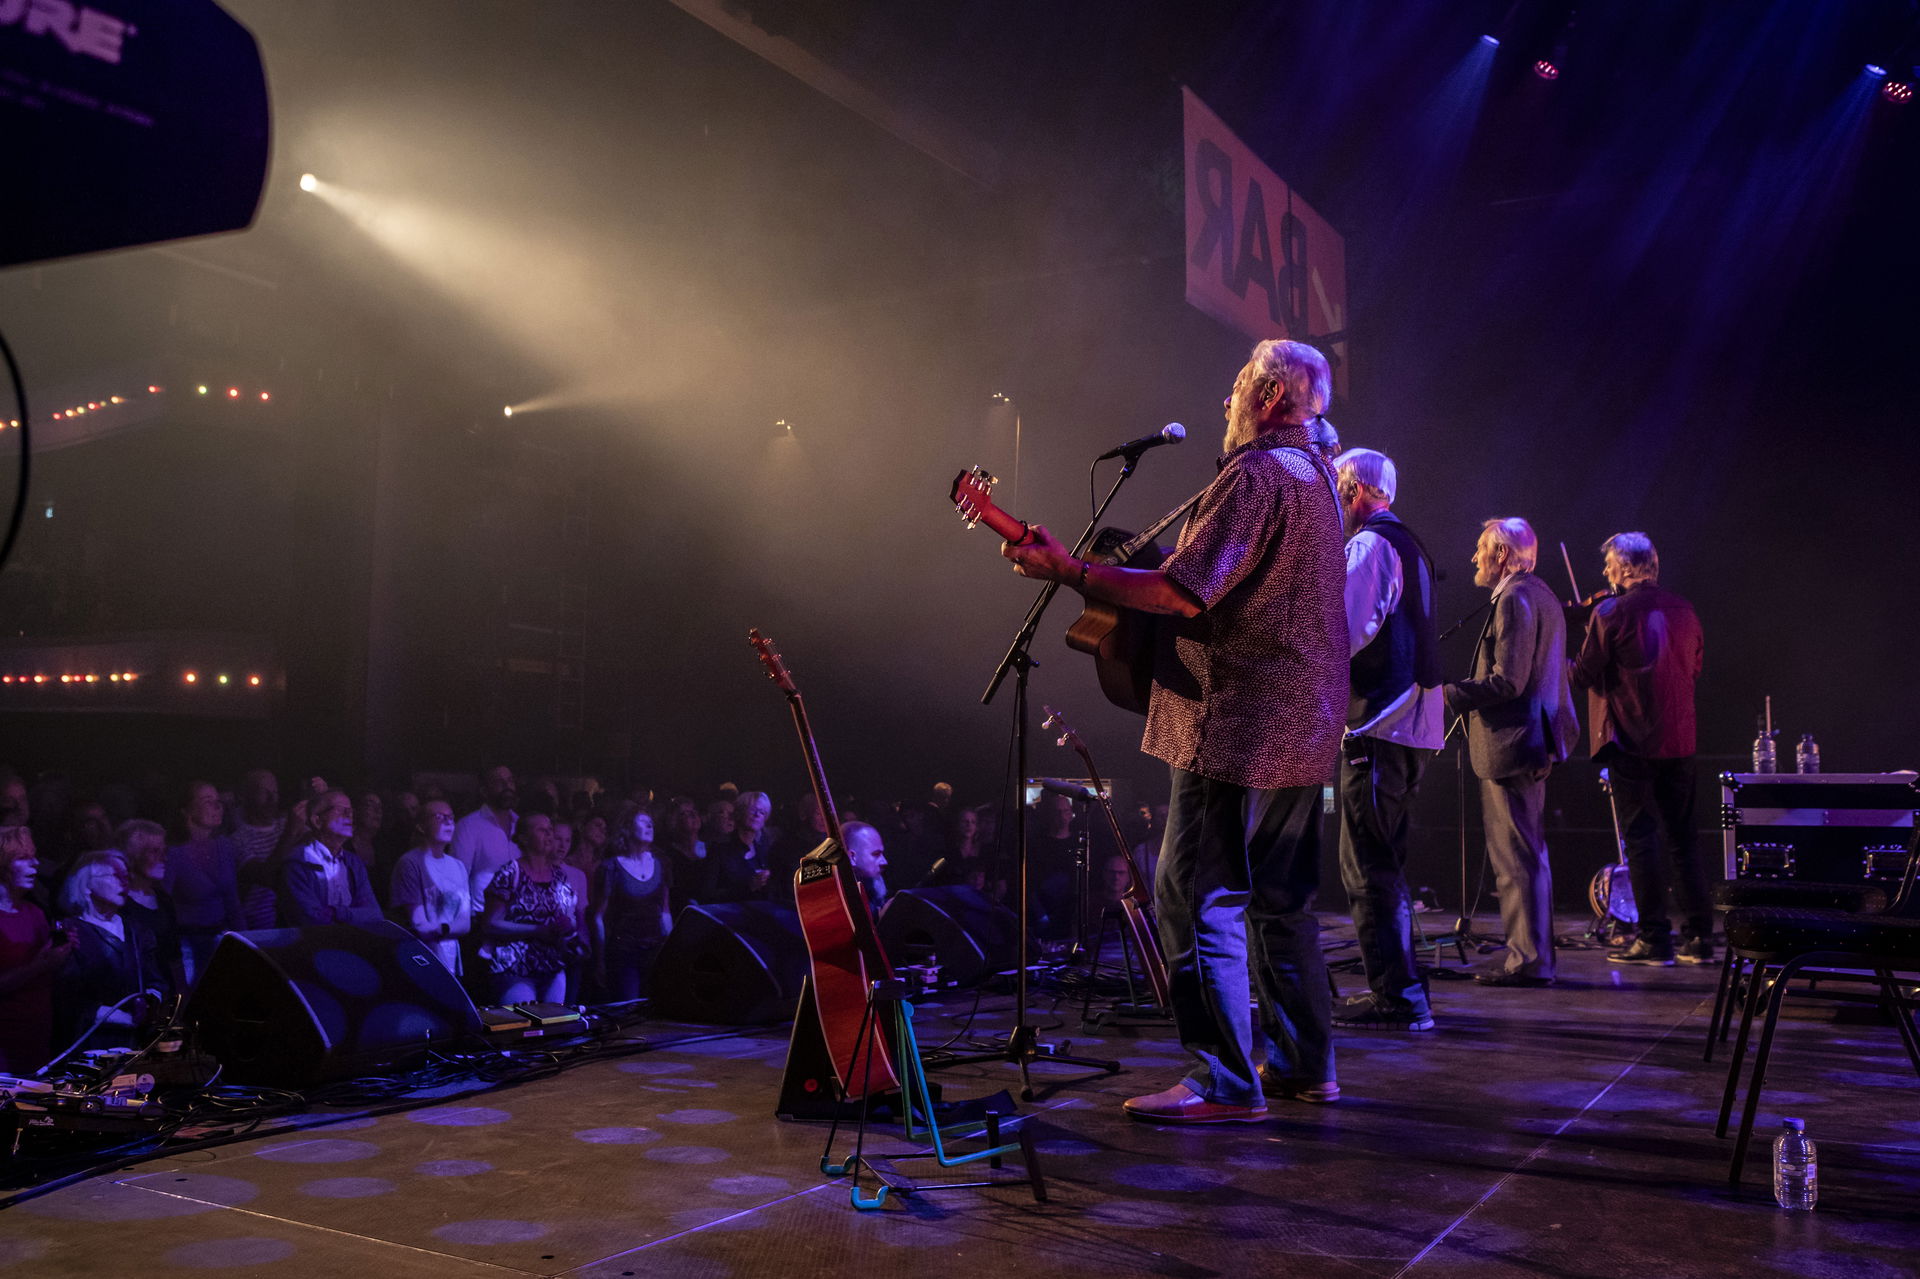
x: 112, y: 902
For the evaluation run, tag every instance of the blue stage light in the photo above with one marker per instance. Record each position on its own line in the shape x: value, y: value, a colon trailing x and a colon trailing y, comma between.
x: 1492, y: 42
x: 1876, y: 71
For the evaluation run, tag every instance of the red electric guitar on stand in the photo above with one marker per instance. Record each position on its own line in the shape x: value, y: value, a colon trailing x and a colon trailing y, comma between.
x: 843, y: 951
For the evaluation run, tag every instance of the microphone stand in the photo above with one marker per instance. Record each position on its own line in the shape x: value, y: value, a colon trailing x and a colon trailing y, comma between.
x: 1023, y: 1046
x: 1463, y: 934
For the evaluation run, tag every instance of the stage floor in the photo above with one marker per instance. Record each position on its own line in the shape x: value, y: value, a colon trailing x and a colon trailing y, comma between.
x: 1563, y: 1132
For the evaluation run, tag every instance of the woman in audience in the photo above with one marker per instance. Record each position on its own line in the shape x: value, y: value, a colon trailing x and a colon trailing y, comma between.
x: 30, y: 954
x: 563, y: 838
x: 530, y: 920
x: 966, y: 859
x: 112, y: 983
x: 589, y: 844
x: 430, y: 888
x: 203, y: 876
x: 143, y: 845
x: 632, y: 913
x: 369, y: 815
x: 321, y: 882
x: 578, y: 884
x: 685, y: 852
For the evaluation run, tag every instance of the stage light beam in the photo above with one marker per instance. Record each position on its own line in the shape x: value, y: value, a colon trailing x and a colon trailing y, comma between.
x: 309, y: 183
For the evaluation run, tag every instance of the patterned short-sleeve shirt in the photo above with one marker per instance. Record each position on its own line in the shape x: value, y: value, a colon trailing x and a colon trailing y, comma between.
x: 1253, y: 691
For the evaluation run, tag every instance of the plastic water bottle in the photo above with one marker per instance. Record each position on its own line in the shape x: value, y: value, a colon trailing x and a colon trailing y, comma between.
x: 1796, y: 1168
x: 1764, y: 758
x: 1806, y: 756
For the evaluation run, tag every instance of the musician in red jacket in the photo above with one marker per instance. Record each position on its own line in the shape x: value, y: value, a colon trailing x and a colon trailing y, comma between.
x: 1248, y: 704
x: 1641, y: 655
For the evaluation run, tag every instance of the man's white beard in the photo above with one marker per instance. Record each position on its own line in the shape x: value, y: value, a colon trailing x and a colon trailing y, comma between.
x: 1241, y: 427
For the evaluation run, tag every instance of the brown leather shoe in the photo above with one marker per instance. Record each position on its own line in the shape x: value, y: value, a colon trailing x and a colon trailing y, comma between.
x: 1182, y: 1105
x: 1277, y: 1085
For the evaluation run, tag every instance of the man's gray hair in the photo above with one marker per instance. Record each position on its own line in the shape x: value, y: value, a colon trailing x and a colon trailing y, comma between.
x: 1635, y: 555
x: 1371, y: 470
x: 1301, y: 374
x: 1516, y: 535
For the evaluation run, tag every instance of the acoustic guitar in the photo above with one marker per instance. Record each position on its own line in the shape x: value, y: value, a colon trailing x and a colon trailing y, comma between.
x: 1120, y: 640
x: 843, y: 948
x: 1136, y: 903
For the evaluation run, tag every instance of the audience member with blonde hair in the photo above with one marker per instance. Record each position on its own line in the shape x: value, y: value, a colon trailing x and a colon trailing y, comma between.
x: 113, y: 981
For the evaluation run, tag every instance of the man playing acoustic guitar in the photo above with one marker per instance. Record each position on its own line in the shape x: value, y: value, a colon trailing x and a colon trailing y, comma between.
x: 1248, y: 703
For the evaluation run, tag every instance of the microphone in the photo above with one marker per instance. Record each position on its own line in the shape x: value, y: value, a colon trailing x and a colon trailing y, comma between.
x: 1171, y: 433
x: 1073, y: 791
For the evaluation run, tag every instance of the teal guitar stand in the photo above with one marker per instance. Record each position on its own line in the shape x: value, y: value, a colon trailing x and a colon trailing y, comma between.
x: 887, y: 1002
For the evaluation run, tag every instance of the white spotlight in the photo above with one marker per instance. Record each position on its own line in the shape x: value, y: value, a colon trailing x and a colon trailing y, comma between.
x: 507, y: 411
x: 309, y: 183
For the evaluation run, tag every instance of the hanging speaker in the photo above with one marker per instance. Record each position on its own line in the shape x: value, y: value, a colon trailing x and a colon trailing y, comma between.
x: 294, y: 1007
x: 971, y: 935
x: 731, y: 965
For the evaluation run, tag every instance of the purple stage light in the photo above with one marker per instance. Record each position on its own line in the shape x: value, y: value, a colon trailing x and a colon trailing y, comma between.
x: 1898, y: 92
x: 1546, y: 70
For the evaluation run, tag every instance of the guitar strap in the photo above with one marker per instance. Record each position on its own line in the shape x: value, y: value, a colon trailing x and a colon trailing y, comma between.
x: 1166, y: 521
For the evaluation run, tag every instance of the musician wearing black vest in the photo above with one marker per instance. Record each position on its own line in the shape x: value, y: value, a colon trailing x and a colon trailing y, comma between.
x: 1396, y: 720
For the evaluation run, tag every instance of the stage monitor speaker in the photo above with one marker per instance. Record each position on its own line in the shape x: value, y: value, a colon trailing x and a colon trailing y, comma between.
x: 295, y: 1007
x: 736, y: 964
x: 972, y: 935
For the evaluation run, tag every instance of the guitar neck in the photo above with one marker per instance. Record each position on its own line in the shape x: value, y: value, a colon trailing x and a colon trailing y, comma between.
x: 816, y: 774
x: 1009, y: 529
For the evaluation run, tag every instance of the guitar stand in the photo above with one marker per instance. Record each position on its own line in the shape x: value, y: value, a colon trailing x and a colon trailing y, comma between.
x: 887, y: 1001
x: 1134, y: 1010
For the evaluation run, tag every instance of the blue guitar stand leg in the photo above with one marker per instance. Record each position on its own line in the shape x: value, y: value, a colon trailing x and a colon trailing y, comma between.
x: 863, y: 1040
x: 917, y: 1116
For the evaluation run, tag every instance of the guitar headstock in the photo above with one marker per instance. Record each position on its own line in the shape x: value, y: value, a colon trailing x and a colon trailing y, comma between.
x: 973, y: 494
x: 771, y: 659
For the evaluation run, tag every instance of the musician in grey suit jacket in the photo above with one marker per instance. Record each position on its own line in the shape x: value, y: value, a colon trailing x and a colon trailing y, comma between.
x: 1520, y: 722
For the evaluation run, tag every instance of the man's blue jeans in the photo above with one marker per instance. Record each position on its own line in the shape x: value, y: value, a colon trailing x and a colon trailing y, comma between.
x: 1238, y: 871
